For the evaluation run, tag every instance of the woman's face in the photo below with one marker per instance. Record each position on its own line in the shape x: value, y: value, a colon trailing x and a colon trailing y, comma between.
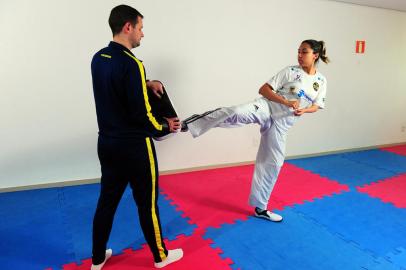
x: 306, y: 56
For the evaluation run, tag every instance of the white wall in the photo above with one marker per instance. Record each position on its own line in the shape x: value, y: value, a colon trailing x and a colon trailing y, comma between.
x: 209, y: 53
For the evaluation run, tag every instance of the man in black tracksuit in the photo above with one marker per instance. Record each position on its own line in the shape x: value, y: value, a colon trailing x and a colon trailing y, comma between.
x: 125, y: 149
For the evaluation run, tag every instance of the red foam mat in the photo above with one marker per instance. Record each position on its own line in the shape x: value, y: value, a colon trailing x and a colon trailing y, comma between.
x: 400, y: 149
x: 213, y: 197
x: 295, y: 186
x: 391, y: 190
x: 198, y: 255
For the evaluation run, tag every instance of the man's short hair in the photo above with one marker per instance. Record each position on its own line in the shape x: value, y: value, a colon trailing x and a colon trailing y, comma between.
x: 122, y: 14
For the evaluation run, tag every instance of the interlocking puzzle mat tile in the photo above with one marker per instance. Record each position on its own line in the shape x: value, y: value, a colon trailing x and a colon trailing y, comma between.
x: 126, y: 230
x: 32, y: 230
x: 375, y: 226
x: 343, y: 170
x: 198, y: 255
x: 391, y: 190
x: 214, y: 197
x: 296, y: 243
x: 399, y: 149
x: 379, y: 159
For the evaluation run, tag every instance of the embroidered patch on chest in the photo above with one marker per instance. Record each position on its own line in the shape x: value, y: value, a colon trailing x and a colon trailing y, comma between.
x: 316, y: 86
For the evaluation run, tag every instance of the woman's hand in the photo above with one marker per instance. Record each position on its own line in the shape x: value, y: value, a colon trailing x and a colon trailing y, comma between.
x: 294, y: 104
x: 267, y: 92
x: 299, y: 112
x: 311, y: 109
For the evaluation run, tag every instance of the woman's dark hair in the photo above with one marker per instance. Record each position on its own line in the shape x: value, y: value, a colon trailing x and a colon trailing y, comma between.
x: 318, y: 47
x: 122, y: 14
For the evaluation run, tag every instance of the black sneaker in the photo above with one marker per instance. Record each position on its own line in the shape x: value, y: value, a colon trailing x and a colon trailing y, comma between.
x: 265, y: 214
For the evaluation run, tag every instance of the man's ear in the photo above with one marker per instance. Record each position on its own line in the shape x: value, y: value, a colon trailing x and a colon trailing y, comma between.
x: 127, y: 27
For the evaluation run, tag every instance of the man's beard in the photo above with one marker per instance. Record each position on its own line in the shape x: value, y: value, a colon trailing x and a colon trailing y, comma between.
x: 136, y: 44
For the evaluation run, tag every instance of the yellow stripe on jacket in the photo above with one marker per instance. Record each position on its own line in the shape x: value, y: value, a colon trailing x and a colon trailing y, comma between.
x: 144, y: 91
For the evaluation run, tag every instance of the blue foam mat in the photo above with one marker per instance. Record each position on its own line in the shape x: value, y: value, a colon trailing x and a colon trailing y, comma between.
x: 32, y: 230
x: 50, y: 227
x: 344, y: 170
x: 379, y: 159
x: 53, y: 226
x: 398, y: 257
x: 375, y: 226
x: 294, y: 244
x: 126, y: 230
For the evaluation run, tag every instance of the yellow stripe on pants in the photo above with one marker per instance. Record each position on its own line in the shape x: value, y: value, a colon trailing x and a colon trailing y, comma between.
x: 153, y: 211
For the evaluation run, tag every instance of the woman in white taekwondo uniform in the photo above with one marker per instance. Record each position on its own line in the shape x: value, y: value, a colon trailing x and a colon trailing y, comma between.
x: 293, y: 91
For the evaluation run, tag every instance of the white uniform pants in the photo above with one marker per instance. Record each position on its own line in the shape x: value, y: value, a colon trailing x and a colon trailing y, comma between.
x: 275, y: 120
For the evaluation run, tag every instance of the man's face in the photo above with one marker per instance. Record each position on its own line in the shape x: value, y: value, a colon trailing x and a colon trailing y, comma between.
x: 136, y: 33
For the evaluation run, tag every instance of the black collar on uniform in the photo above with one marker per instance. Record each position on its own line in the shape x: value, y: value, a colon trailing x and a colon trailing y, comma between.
x: 118, y: 46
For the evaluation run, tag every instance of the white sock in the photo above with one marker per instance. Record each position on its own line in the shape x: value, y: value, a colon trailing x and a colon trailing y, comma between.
x: 173, y: 256
x: 109, y: 252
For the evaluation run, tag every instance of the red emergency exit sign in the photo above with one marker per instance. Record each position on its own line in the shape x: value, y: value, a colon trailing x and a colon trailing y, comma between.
x: 360, y: 46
